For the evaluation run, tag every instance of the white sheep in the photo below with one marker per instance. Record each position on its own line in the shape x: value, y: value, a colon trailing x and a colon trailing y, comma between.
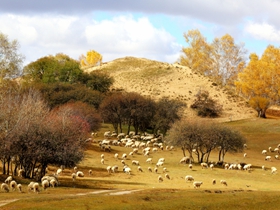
x: 150, y: 169
x: 102, y: 156
x: 116, y: 156
x: 264, y: 152
x: 268, y: 158
x: 135, y: 162
x: 159, y: 164
x: 189, y: 178
x: 185, y: 160
x: 127, y: 170
x: 164, y: 170
x: 226, y: 166
x: 161, y: 160
x: 115, y: 168
x: 263, y: 168
x: 149, y: 160
x: 190, y: 166
x: 75, y: 168
x: 5, y: 187
x: 45, y: 184
x: 204, y: 165
x: 140, y: 169
x: 74, y: 176
x: 90, y: 172
x: 123, y: 162
x: 80, y: 174
x: 21, y: 172
x: 276, y: 157
x: 167, y: 176
x: 35, y: 187
x: 30, y: 186
x: 102, y: 161
x: 155, y: 169
x: 197, y: 184
x: 160, y: 179
x: 245, y: 155
x: 13, y: 185
x: 58, y: 172
x: 19, y: 187
x: 124, y: 156
x: 53, y: 182
x: 9, y: 179
x: 214, y: 181
x: 109, y: 169
x: 223, y: 182
x: 211, y: 166
x: 273, y: 170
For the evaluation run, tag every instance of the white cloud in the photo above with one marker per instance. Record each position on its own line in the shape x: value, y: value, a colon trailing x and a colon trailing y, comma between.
x: 263, y: 31
x: 73, y: 35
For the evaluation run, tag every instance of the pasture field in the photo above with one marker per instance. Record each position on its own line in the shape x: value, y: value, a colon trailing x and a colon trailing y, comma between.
x: 257, y: 189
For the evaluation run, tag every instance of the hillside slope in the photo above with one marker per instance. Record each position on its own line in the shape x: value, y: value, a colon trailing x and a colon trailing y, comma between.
x: 158, y: 79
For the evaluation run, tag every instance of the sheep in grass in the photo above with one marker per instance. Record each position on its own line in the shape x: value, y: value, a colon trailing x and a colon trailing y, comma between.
x: 197, y: 184
x: 268, y: 158
x: 160, y: 179
x: 190, y: 166
x: 150, y: 169
x: 164, y: 170
x: 185, y: 160
x: 116, y: 156
x: 276, y: 157
x: 21, y: 172
x: 155, y: 169
x: 102, y: 156
x: 122, y: 161
x: 124, y: 156
x: 13, y: 185
x: 109, y: 169
x: 90, y: 172
x: 204, y: 165
x: 19, y: 187
x: 102, y: 161
x: 214, y: 181
x: 33, y: 186
x: 74, y: 176
x: 127, y: 170
x: 167, y: 176
x: 5, y: 187
x: 80, y: 174
x: 149, y: 160
x: 161, y: 160
x: 223, y: 182
x: 211, y: 166
x: 54, y: 182
x: 245, y: 155
x: 58, y: 172
x: 273, y: 170
x: 189, y: 178
x: 8, y: 180
x: 159, y: 164
x: 115, y: 169
x: 75, y: 168
x: 264, y: 152
x: 135, y: 162
x: 140, y: 169
x: 45, y: 184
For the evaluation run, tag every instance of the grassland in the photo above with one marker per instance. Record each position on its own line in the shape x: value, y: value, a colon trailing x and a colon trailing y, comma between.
x: 257, y: 189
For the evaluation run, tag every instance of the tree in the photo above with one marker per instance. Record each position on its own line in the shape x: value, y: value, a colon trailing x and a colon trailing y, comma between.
x: 10, y: 59
x: 260, y: 81
x: 201, y: 138
x: 228, y: 60
x: 197, y: 55
x: 51, y: 69
x: 206, y: 106
x: 92, y: 58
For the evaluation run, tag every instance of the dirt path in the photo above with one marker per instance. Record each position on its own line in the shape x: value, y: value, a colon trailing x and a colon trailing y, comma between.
x: 5, y: 202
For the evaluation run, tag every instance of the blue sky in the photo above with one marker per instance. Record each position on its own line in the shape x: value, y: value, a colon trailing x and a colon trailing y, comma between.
x: 151, y: 29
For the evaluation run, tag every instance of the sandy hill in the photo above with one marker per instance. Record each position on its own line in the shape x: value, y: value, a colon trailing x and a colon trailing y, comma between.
x: 157, y: 79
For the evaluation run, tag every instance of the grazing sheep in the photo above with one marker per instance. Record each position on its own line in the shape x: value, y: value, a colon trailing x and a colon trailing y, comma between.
x: 19, y: 187
x: 58, y: 172
x: 5, y: 187
x: 155, y: 169
x: 273, y: 170
x: 75, y: 168
x: 109, y: 169
x: 124, y: 156
x: 102, y: 156
x: 164, y: 170
x: 226, y: 166
x: 189, y: 178
x: 149, y: 160
x: 130, y: 154
x: 116, y: 156
x: 204, y: 165
x: 30, y: 186
x: 197, y: 184
x: 247, y: 167
x: 223, y: 182
x: 13, y: 185
x: 54, y: 182
x: 45, y: 184
x: 190, y: 166
x: 102, y: 161
x: 185, y: 160
x: 245, y: 146
x: 263, y: 168
x: 211, y: 166
x: 127, y: 170
x: 80, y: 174
x: 264, y: 152
x: 268, y: 158
x: 90, y: 172
x: 9, y: 179
x: 115, y: 168
x: 160, y: 179
x: 159, y: 164
x: 167, y: 176
x: 161, y: 160
x: 270, y: 149
x: 276, y: 157
x: 140, y: 169
x: 74, y: 176
x: 135, y: 162
x: 122, y: 161
x: 214, y: 181
x: 21, y: 172
x: 35, y: 187
x: 245, y: 155
x: 150, y: 169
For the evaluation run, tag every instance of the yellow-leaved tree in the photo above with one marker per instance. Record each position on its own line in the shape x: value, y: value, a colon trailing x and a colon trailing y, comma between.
x: 260, y: 80
x: 92, y: 58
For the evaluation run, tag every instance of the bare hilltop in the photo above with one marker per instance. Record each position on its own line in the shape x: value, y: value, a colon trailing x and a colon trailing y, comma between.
x: 158, y: 79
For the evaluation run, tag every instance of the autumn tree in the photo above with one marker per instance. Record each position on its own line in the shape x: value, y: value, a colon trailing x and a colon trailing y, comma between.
x: 92, y: 58
x: 206, y: 106
x: 259, y: 82
x: 10, y: 59
x: 197, y: 55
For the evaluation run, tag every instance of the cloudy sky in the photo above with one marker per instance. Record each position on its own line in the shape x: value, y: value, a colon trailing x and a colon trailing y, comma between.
x: 142, y: 28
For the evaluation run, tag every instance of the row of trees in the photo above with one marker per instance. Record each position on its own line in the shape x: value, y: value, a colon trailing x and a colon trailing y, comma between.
x: 201, y: 138
x: 33, y: 136
x: 132, y: 109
